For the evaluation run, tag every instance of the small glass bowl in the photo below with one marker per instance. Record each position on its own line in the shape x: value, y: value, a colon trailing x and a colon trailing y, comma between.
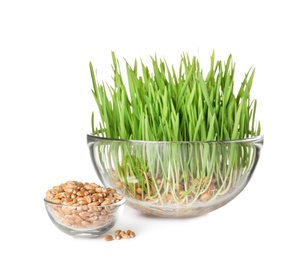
x: 83, y: 220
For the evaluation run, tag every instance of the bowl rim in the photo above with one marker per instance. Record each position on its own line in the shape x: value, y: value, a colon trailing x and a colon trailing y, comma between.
x: 119, y: 203
x: 255, y: 139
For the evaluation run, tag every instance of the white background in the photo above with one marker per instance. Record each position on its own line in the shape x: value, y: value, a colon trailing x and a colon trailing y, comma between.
x: 46, y: 105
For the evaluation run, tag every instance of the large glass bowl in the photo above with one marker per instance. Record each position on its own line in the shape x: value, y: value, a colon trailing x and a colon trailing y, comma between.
x: 175, y: 179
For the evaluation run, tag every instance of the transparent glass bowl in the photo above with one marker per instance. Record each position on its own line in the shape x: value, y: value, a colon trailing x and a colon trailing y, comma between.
x: 83, y: 220
x: 175, y: 179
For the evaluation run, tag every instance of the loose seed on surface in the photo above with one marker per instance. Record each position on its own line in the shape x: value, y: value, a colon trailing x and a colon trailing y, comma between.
x: 118, y: 237
x: 131, y: 233
x: 108, y: 238
x: 121, y: 234
x: 125, y: 235
x: 118, y: 232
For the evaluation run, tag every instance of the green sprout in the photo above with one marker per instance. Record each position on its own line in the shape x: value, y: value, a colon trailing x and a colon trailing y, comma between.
x: 165, y: 105
x: 195, y: 117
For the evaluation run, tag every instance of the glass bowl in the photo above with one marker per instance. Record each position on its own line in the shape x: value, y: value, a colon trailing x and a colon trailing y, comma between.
x: 175, y: 179
x: 84, y: 220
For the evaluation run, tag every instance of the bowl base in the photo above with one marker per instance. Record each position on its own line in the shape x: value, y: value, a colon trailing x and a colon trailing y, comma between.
x: 92, y: 233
